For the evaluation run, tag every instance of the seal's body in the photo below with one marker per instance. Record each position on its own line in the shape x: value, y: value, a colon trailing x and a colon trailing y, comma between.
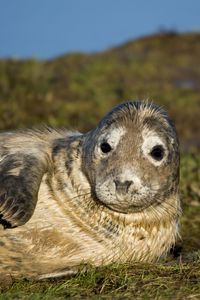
x: 110, y: 195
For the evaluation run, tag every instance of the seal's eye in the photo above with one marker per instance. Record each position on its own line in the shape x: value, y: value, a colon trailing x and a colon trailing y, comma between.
x: 157, y: 152
x: 105, y: 147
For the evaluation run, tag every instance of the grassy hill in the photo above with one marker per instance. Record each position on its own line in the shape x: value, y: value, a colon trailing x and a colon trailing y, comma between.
x: 76, y: 90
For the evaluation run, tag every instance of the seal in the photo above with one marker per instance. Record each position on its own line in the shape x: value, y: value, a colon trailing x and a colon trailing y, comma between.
x: 109, y: 195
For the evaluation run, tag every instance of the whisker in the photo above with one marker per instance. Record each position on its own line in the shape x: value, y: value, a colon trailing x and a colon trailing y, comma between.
x: 80, y: 195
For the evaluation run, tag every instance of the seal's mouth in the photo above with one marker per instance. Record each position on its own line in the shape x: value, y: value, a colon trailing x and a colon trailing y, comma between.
x: 133, y: 208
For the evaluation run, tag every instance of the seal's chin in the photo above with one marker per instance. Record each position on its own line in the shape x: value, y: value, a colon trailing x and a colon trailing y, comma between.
x: 127, y: 210
x: 120, y: 207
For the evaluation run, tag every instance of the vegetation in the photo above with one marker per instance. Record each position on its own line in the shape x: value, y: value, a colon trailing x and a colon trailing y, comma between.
x: 78, y: 89
x: 75, y: 91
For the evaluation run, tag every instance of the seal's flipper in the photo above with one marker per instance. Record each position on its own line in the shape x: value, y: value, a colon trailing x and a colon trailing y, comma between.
x: 20, y: 177
x: 24, y: 158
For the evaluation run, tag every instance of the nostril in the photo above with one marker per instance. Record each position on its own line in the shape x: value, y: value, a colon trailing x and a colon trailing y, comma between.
x: 128, y: 183
x: 123, y: 186
x: 117, y: 183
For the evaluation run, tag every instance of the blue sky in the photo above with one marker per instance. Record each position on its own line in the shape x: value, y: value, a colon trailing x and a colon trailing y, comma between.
x: 48, y: 28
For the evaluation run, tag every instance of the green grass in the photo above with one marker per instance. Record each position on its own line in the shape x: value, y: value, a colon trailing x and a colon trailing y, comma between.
x: 136, y: 280
x: 76, y: 91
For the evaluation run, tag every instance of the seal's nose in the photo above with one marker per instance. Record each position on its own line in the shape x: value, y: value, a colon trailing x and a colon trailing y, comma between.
x: 122, y: 187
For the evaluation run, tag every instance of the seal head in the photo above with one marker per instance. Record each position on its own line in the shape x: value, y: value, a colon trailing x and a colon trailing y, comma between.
x: 131, y: 158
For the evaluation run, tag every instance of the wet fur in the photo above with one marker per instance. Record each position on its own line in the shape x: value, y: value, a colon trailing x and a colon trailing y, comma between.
x: 47, y: 193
